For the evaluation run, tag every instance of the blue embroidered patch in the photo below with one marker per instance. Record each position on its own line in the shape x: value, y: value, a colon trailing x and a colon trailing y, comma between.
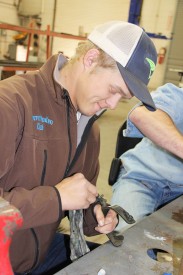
x: 40, y: 122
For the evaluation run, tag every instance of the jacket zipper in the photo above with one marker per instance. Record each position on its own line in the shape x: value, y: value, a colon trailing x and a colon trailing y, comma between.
x: 44, y: 168
x: 36, y: 252
x: 32, y: 230
x: 68, y: 131
x: 36, y: 249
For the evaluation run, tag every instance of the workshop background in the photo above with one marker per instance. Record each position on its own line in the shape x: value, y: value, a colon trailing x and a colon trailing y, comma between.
x: 30, y: 31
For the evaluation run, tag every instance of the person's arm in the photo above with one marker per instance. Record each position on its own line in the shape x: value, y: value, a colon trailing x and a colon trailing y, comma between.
x: 158, y: 127
x: 33, y: 204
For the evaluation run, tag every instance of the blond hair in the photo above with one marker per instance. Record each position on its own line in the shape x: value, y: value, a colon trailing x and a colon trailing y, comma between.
x: 103, y: 60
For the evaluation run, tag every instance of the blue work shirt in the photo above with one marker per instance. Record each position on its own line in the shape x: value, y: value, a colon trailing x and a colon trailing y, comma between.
x: 147, y: 160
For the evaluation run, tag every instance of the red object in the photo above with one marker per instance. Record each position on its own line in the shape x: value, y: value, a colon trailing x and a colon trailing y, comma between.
x: 10, y: 220
x: 161, y: 55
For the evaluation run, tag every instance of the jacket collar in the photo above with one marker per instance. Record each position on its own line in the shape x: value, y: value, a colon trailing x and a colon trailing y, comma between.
x: 61, y: 60
x: 50, y: 72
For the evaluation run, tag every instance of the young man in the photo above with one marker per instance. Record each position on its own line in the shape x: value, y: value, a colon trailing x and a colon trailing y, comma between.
x: 151, y: 172
x: 49, y: 143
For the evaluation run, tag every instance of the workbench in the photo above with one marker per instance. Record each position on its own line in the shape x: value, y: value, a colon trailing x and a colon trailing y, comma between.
x: 162, y: 231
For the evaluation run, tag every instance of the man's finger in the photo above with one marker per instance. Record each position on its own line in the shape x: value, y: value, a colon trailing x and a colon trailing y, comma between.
x: 99, y: 214
x: 110, y: 217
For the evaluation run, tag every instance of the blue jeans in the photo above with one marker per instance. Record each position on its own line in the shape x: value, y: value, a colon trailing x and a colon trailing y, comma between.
x: 141, y: 198
x: 58, y: 256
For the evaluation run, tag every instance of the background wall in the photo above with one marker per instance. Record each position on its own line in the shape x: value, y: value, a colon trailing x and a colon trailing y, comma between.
x: 174, y: 64
x: 158, y: 17
x: 8, y: 14
x: 80, y: 16
x: 85, y: 15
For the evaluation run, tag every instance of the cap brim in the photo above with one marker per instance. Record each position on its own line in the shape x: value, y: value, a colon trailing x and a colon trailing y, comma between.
x: 137, y: 88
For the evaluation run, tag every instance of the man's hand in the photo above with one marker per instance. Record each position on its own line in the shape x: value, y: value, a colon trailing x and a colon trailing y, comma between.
x: 76, y: 192
x: 106, y: 224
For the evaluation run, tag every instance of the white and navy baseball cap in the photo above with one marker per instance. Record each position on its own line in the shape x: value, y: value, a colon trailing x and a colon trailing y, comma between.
x: 134, y: 53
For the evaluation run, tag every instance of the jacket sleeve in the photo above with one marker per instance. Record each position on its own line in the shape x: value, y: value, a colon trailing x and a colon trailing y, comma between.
x: 34, y: 204
x: 91, y: 171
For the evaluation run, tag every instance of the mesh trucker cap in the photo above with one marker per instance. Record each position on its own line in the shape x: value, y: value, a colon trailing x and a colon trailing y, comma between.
x: 134, y: 53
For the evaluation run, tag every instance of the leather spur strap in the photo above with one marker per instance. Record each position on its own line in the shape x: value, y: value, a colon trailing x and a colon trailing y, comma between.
x: 114, y: 238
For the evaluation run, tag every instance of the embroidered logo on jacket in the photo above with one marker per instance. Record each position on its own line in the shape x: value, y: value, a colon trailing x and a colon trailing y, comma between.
x: 40, y: 122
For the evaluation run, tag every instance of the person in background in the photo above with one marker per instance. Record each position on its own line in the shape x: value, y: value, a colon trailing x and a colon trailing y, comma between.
x: 49, y: 143
x: 151, y: 172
